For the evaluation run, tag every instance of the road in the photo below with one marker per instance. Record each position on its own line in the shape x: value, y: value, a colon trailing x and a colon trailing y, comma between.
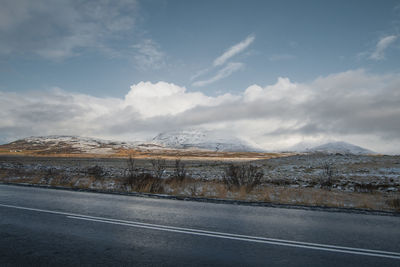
x: 44, y: 227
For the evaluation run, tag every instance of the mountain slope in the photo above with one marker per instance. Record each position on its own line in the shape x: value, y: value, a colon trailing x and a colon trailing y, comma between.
x: 183, y: 140
x: 200, y: 139
x: 340, y: 147
x: 66, y: 144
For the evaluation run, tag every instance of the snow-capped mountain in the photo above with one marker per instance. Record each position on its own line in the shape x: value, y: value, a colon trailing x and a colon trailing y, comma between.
x: 340, y: 147
x: 201, y: 139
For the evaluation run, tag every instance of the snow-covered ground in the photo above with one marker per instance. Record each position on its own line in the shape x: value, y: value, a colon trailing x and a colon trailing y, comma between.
x: 349, y: 172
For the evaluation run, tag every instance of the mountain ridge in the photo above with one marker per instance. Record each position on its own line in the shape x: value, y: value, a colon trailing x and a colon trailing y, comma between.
x: 179, y: 140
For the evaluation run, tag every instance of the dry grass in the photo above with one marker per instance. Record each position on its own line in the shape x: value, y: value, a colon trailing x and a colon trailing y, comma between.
x: 222, y: 191
x: 320, y: 197
x: 298, y: 196
x: 168, y: 154
x: 394, y: 202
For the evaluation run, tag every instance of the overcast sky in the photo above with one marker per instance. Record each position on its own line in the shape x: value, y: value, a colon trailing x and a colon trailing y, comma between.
x: 275, y: 73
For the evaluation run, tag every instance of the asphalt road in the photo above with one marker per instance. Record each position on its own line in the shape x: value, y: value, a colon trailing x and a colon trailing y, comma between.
x: 43, y: 227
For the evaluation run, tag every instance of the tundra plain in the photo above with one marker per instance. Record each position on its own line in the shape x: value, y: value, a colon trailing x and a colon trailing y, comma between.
x: 312, y: 179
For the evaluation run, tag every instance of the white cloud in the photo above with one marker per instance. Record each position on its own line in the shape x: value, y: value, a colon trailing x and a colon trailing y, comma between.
x: 381, y: 46
x: 199, y: 73
x: 354, y: 106
x: 220, y: 61
x: 222, y: 73
x: 234, y: 50
x: 148, y: 55
x: 283, y: 89
x: 163, y: 98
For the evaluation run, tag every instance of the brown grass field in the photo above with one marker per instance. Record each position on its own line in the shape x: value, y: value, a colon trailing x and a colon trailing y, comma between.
x: 169, y: 154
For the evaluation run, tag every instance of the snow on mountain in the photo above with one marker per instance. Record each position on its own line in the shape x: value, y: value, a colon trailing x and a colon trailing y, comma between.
x: 340, y: 147
x: 201, y: 139
x: 188, y: 139
x: 183, y: 139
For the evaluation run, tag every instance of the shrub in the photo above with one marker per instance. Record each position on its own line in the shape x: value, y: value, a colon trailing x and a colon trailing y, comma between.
x: 145, y: 182
x: 159, y: 167
x: 179, y: 170
x: 141, y: 181
x: 326, y: 178
x: 245, y: 175
x: 130, y: 177
x: 97, y: 171
x: 51, y: 171
x: 364, y: 188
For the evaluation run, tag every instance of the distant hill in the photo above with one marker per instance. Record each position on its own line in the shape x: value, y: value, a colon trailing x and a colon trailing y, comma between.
x: 55, y: 144
x: 182, y: 140
x: 340, y: 147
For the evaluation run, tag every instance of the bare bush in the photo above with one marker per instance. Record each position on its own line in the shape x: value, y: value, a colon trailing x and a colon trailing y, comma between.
x: 159, y: 167
x: 365, y: 188
x: 141, y: 181
x: 132, y: 174
x: 145, y: 182
x: 326, y: 178
x: 245, y: 175
x: 97, y: 171
x: 51, y: 171
x: 179, y: 170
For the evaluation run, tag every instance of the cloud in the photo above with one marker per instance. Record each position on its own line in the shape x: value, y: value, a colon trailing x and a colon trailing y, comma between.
x: 163, y: 99
x: 199, y: 73
x: 381, y: 46
x: 234, y: 50
x: 230, y: 67
x: 60, y: 29
x: 222, y: 73
x: 148, y: 55
x: 354, y: 106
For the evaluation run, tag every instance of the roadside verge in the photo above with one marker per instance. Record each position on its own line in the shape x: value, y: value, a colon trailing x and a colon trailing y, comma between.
x: 213, y: 200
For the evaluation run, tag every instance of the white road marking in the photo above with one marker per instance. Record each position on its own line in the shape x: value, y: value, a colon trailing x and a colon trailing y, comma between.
x: 256, y: 239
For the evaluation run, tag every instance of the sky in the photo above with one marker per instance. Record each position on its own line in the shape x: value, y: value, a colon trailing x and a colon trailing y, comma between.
x: 277, y: 74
